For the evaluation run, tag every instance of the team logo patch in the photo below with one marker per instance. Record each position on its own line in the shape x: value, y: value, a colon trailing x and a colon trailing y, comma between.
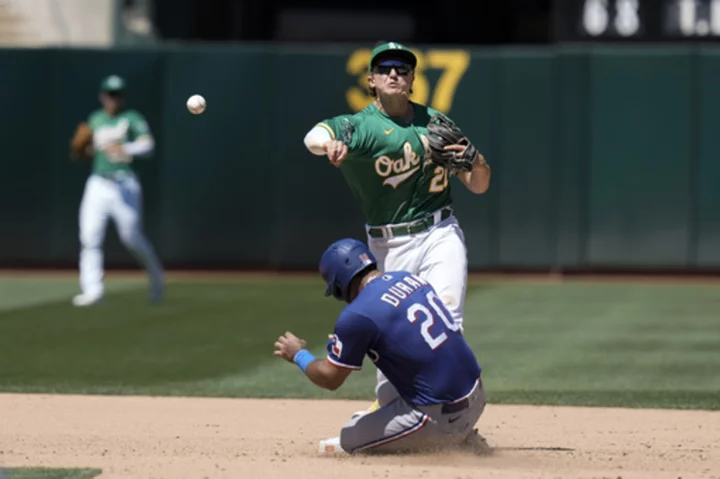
x: 337, y: 346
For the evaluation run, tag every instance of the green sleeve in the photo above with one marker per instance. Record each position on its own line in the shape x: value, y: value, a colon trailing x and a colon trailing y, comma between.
x: 345, y: 128
x: 139, y: 125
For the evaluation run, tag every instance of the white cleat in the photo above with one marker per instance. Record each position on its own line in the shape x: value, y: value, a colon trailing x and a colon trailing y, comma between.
x: 86, y: 300
x: 329, y: 446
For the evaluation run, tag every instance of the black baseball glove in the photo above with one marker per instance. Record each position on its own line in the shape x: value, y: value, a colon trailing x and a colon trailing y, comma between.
x: 441, y: 133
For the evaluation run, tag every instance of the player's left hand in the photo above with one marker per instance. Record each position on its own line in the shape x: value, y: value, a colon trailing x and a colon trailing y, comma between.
x: 459, y: 149
x: 116, y: 154
x: 288, y: 345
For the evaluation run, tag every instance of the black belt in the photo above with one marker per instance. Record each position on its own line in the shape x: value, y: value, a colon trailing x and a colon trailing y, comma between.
x: 413, y: 227
x: 456, y: 407
x: 461, y: 405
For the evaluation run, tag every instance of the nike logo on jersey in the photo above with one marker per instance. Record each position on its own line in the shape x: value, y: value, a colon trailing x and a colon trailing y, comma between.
x: 387, y: 132
x: 454, y: 419
x: 394, y: 181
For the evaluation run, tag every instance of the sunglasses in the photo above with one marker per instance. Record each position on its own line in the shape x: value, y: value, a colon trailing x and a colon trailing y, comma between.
x: 401, y: 70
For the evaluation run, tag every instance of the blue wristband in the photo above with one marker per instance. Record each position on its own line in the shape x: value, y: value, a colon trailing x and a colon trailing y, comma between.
x: 303, y: 358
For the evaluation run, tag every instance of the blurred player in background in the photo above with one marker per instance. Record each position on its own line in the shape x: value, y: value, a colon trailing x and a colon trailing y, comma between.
x: 118, y: 135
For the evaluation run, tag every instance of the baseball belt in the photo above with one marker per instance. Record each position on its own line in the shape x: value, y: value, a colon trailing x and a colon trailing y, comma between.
x: 115, y: 175
x: 454, y: 408
x: 464, y: 403
x: 410, y: 228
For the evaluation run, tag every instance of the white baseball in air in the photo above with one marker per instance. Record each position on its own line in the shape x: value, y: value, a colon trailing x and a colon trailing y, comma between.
x: 196, y: 104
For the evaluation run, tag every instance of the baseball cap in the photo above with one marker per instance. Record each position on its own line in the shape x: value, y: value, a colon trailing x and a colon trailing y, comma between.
x: 392, y: 51
x: 113, y: 83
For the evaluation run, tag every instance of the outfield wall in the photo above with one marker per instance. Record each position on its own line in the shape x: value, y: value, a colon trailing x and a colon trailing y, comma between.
x: 602, y: 157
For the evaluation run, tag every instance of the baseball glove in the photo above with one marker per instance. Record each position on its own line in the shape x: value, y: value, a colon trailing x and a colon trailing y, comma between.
x: 81, y: 141
x: 441, y: 133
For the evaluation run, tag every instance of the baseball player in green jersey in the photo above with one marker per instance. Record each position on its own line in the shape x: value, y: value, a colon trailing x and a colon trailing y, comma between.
x: 113, y: 190
x: 406, y: 198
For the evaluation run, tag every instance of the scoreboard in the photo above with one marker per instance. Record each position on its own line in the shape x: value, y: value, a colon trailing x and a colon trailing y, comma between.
x: 636, y: 20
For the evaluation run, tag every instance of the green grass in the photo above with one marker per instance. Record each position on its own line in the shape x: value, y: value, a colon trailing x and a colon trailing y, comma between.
x: 614, y: 344
x: 44, y: 473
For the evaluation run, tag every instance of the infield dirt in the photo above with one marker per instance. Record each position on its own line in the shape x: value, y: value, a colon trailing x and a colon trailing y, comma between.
x: 155, y: 437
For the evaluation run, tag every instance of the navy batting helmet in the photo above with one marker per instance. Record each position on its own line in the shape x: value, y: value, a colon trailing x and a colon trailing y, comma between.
x: 341, y: 262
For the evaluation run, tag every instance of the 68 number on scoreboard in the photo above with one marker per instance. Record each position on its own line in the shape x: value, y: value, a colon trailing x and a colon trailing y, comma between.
x: 637, y: 20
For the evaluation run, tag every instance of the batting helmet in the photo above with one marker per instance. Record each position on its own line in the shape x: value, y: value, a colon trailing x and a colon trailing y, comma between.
x: 341, y: 263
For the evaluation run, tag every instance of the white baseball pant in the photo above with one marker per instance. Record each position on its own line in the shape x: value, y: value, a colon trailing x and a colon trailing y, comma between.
x: 119, y: 198
x: 438, y: 255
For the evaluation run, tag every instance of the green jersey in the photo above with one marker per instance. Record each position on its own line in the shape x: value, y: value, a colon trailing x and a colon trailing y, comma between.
x: 386, y: 167
x: 127, y: 125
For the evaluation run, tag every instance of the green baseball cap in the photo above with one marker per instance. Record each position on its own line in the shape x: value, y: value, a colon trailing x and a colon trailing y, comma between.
x: 113, y: 83
x: 392, y: 51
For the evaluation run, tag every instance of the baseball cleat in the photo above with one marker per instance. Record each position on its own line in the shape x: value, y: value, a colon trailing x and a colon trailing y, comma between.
x: 358, y: 414
x: 373, y: 407
x: 330, y: 445
x: 86, y: 299
x: 157, y: 294
x: 477, y: 444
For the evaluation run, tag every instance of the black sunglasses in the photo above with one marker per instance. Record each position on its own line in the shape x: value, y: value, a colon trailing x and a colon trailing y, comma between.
x: 386, y: 69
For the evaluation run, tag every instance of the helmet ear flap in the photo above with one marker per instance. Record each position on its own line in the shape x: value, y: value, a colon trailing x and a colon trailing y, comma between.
x: 337, y: 291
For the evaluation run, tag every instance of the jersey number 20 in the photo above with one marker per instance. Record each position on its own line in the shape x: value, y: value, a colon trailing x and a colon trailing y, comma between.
x: 420, y: 311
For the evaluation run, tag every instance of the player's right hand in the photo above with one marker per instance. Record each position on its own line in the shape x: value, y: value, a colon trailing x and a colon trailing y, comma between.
x: 288, y: 345
x: 336, y: 152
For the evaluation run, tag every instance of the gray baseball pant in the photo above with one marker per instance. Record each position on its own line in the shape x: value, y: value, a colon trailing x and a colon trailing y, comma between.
x: 398, y: 426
